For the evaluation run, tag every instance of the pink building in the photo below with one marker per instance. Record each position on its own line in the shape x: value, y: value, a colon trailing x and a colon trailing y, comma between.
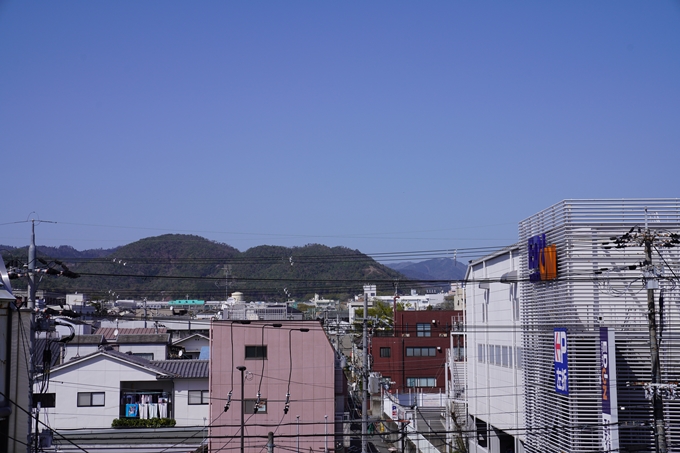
x: 280, y: 358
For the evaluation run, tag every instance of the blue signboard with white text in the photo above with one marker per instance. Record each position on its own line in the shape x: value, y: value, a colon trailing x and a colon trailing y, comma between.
x: 561, y: 363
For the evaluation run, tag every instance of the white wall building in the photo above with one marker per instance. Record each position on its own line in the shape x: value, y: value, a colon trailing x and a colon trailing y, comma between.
x: 601, y: 281
x: 495, y: 396
x: 93, y: 390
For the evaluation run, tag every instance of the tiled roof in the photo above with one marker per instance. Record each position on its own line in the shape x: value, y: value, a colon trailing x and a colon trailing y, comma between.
x: 189, y: 369
x: 108, y: 332
x: 88, y: 339
x: 138, y: 361
x: 161, y: 373
x: 163, y: 338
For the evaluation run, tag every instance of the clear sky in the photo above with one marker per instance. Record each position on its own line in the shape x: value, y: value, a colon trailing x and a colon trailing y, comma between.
x: 382, y: 126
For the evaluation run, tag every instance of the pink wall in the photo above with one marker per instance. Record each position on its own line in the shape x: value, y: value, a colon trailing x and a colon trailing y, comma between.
x: 311, y: 389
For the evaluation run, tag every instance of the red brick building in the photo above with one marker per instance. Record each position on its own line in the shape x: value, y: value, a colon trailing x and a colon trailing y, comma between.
x: 413, y: 354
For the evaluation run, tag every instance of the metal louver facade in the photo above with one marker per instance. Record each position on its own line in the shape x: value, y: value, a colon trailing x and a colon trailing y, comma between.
x: 598, y: 287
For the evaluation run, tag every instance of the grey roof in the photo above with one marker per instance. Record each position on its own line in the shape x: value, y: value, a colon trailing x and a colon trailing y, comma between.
x: 163, y: 338
x: 161, y: 373
x: 189, y: 369
x: 88, y: 339
x: 109, y: 332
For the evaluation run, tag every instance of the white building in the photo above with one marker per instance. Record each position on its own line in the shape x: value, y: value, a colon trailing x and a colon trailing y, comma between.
x: 601, y: 287
x: 495, y: 390
x: 91, y: 391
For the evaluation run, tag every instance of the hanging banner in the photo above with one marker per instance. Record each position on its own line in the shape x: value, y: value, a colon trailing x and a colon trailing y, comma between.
x: 610, y: 416
x: 561, y: 363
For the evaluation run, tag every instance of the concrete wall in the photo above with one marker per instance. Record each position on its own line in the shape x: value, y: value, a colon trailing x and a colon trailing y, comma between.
x: 495, y: 390
x: 312, y: 382
x: 186, y: 414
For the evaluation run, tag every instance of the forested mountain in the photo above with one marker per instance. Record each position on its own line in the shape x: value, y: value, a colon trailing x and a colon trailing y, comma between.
x: 180, y: 266
x: 434, y: 269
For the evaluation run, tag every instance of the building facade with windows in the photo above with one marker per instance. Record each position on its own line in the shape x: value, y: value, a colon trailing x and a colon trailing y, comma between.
x: 89, y: 392
x: 495, y: 377
x: 293, y: 386
x: 413, y: 354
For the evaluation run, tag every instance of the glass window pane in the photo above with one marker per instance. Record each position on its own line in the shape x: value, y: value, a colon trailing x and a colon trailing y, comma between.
x: 98, y: 399
x: 194, y: 397
x: 256, y: 352
x: 250, y: 407
x: 84, y: 399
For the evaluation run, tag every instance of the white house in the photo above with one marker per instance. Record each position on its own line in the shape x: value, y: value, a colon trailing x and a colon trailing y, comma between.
x: 91, y: 391
x: 192, y: 345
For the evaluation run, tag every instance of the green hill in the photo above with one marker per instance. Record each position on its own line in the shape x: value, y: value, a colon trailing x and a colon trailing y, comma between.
x: 180, y: 266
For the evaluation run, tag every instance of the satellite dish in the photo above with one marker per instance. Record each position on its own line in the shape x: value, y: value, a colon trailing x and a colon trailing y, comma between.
x: 115, y: 333
x: 181, y: 352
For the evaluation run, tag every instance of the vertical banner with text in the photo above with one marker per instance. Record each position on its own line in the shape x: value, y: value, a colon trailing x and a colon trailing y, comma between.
x: 561, y: 364
x: 610, y: 416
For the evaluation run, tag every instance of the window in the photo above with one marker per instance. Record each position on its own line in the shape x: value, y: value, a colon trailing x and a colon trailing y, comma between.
x: 45, y: 399
x: 505, y: 355
x: 520, y: 357
x: 144, y: 355
x: 480, y: 352
x: 463, y: 353
x: 421, y: 352
x: 423, y: 330
x: 250, y: 406
x: 421, y: 382
x: 256, y: 352
x: 499, y: 359
x: 90, y: 399
x: 491, y: 356
x: 385, y: 352
x: 199, y: 397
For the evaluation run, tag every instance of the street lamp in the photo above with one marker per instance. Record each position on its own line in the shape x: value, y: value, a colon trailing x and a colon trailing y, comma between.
x: 259, y: 387
x: 231, y: 333
x: 298, y: 433
x: 242, y: 369
x: 290, y: 366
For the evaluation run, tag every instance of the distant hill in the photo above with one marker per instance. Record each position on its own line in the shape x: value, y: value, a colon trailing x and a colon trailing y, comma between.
x: 434, y: 269
x: 63, y: 251
x: 179, y: 266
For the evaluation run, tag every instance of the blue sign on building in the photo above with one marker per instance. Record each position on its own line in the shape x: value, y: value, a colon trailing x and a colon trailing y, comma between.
x: 561, y: 364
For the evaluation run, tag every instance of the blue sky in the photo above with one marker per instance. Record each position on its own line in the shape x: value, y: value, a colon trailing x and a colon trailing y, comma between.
x: 381, y: 126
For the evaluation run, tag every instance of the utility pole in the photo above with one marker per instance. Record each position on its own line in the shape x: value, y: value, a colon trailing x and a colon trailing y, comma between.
x: 31, y: 332
x: 657, y: 401
x: 364, y: 383
x: 651, y: 239
x: 270, y: 442
x: 242, y: 369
